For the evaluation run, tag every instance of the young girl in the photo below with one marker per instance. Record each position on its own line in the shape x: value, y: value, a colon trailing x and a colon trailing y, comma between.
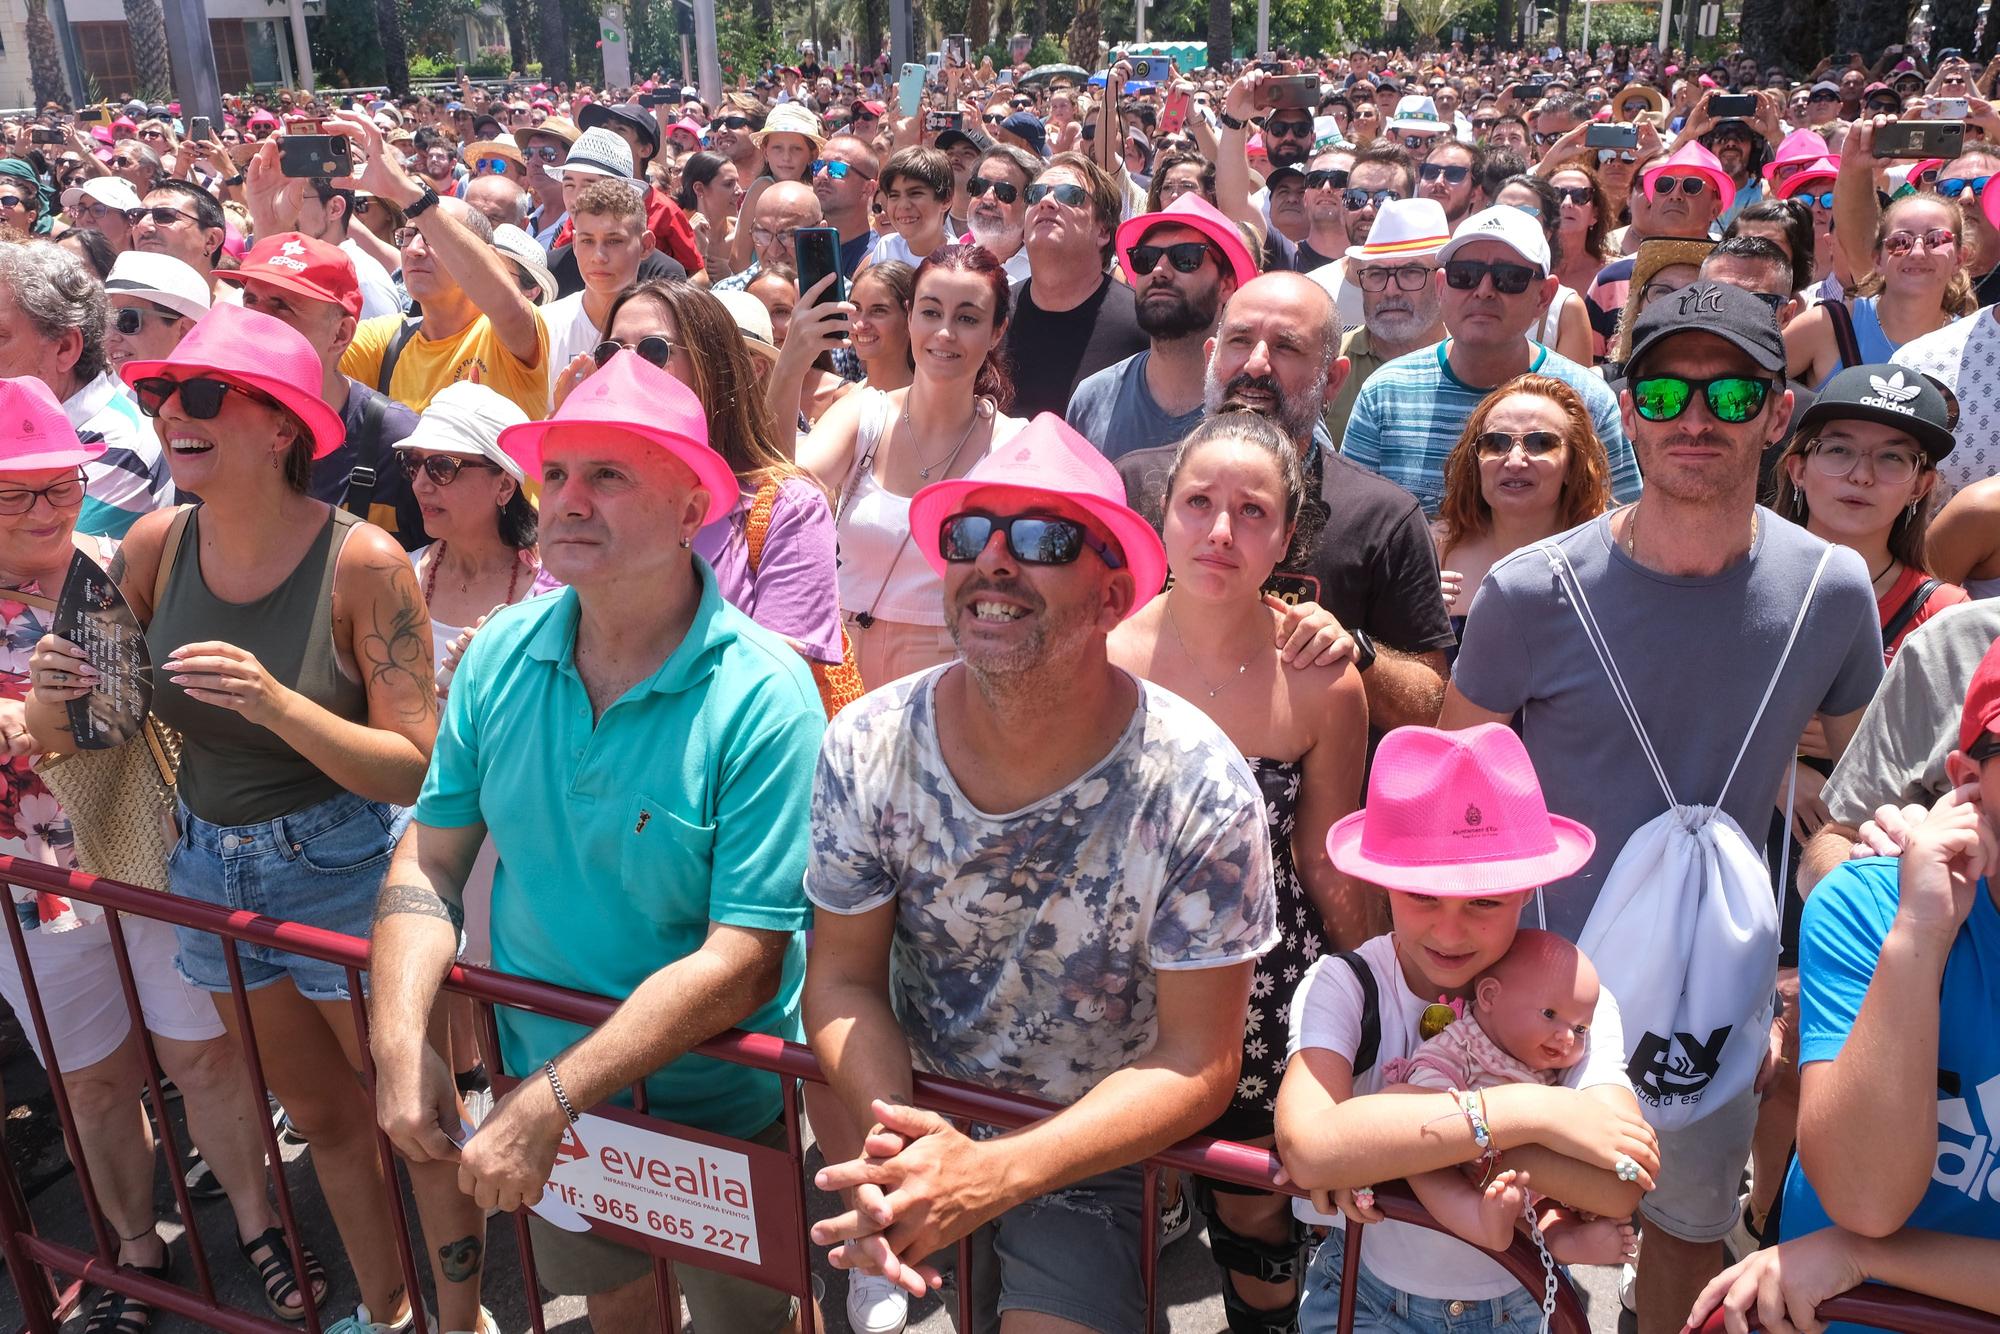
x: 1457, y: 832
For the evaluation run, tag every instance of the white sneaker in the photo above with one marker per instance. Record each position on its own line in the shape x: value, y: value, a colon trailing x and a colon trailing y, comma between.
x: 875, y: 1305
x: 487, y: 1324
x: 1628, y: 1286
x: 362, y: 1322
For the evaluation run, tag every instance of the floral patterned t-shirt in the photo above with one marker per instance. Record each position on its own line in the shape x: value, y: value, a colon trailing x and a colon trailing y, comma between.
x: 1027, y: 944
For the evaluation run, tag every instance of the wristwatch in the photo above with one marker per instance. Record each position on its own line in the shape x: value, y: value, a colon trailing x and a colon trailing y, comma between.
x: 237, y: 179
x: 428, y: 199
x: 1229, y: 122
x: 1364, y: 650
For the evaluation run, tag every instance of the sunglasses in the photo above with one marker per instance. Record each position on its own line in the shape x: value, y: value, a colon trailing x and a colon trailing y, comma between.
x: 1773, y: 300
x: 542, y: 153
x: 1499, y: 444
x: 1357, y: 199
x: 1075, y: 196
x: 734, y: 122
x: 201, y: 397
x: 1687, y: 185
x: 1004, y: 191
x: 161, y: 215
x: 1409, y: 277
x: 1984, y: 749
x: 1574, y: 194
x: 1545, y: 140
x: 1288, y: 129
x: 121, y: 161
x: 493, y: 166
x: 13, y: 202
x: 654, y: 348
x: 1902, y: 242
x: 1326, y: 179
x: 1185, y: 256
x: 64, y: 495
x: 1616, y: 154
x: 1824, y: 199
x: 835, y: 171
x: 1437, y: 171
x: 1733, y: 399
x: 1953, y: 189
x: 1464, y: 275
x: 1032, y: 539
x: 1884, y: 107
x: 1824, y: 97
x: 129, y: 320
x: 442, y: 469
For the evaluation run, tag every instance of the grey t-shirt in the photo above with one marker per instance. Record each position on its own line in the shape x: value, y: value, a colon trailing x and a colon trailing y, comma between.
x: 1114, y: 410
x: 1695, y: 654
x: 1897, y: 754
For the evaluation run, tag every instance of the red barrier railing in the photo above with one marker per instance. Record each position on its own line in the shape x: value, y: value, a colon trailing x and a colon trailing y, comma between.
x: 32, y: 1260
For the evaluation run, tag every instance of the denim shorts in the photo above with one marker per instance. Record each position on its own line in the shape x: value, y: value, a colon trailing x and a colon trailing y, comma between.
x: 1072, y: 1253
x: 1381, y: 1309
x: 321, y: 866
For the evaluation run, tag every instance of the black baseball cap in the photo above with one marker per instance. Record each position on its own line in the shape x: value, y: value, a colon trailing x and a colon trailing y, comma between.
x: 1895, y: 396
x: 1729, y: 313
x: 946, y: 139
x: 595, y: 114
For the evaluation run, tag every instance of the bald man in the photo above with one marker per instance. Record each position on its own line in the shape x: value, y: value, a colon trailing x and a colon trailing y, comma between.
x: 781, y: 210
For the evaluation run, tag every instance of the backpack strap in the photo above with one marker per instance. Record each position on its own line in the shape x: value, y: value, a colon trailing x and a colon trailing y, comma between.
x: 1371, y: 1012
x: 367, y: 471
x: 758, y: 526
x: 1907, y: 613
x: 1771, y: 687
x: 394, y: 353
x: 176, y: 533
x: 1844, y: 340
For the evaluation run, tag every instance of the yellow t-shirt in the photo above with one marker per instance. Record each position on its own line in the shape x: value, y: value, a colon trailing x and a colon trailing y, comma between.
x: 427, y: 365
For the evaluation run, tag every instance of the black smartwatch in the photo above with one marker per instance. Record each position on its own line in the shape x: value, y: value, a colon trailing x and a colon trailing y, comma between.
x: 428, y: 199
x: 1229, y: 122
x: 1364, y: 650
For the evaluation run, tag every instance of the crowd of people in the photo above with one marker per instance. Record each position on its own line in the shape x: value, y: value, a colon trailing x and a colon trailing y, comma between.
x: 1433, y: 614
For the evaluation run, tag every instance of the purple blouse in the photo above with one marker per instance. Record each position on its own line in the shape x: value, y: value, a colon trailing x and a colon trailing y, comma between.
x: 794, y: 592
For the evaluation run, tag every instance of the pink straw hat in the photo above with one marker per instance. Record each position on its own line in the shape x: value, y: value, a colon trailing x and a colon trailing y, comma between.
x: 1458, y: 815
x: 1190, y: 210
x: 34, y: 432
x: 257, y: 351
x: 1692, y: 159
x: 633, y: 395
x: 1050, y: 457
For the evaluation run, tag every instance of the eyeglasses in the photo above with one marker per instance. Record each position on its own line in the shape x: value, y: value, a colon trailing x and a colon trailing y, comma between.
x: 542, y: 153
x: 1287, y: 129
x: 1032, y: 539
x: 764, y: 236
x: 1409, y: 277
x: 161, y: 215
x: 1653, y: 291
x: 1499, y: 444
x: 1902, y: 242
x: 1508, y: 279
x: 1185, y: 256
x: 1327, y: 178
x: 1357, y: 199
x: 653, y: 347
x: 442, y: 469
x: 1953, y: 189
x: 1687, y: 185
x: 493, y: 166
x: 64, y: 495
x: 122, y: 161
x: 201, y: 397
x: 1574, y: 194
x: 1839, y: 459
x: 1733, y: 399
x: 129, y: 320
x: 1435, y: 171
x: 404, y: 237
x: 1004, y: 191
x: 1075, y: 196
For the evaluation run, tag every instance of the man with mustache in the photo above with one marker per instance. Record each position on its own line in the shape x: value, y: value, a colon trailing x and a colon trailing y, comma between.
x: 1395, y: 271
x: 1371, y: 565
x: 996, y: 221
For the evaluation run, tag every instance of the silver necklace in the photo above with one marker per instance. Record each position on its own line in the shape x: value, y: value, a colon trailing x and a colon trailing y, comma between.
x: 1202, y: 676
x: 925, y: 471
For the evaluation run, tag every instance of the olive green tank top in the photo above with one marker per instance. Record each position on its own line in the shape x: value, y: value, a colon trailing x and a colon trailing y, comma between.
x: 234, y: 772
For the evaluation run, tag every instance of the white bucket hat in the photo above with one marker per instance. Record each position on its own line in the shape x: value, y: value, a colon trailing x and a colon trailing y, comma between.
x: 1403, y: 229
x: 466, y: 419
x: 524, y: 250
x: 160, y: 279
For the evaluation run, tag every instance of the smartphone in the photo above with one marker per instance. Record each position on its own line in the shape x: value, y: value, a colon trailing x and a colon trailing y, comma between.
x: 818, y: 251
x: 954, y: 48
x: 1921, y: 139
x: 92, y: 116
x: 910, y: 89
x: 198, y: 128
x: 1741, y: 106
x: 1006, y: 76
x: 1611, y: 136
x: 1154, y: 69
x: 1173, y: 113
x: 1289, y: 91
x: 1948, y: 108
x: 305, y: 156
x: 39, y: 135
x: 944, y: 120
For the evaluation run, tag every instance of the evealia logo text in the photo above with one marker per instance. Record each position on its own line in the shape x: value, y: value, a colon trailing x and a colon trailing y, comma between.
x: 703, y: 1179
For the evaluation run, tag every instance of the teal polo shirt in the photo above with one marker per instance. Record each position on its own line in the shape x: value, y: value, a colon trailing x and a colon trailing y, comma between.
x: 620, y: 841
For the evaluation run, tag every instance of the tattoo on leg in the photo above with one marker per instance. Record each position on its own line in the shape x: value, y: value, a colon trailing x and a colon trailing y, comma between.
x: 418, y: 901
x: 396, y: 653
x: 460, y: 1259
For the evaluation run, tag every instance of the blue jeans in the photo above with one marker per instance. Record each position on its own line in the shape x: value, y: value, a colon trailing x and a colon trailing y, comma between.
x: 1381, y: 1309
x: 322, y: 866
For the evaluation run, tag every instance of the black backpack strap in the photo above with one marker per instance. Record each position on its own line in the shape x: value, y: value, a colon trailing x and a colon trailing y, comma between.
x: 360, y: 493
x: 1908, y: 612
x: 1843, y: 333
x: 394, y: 353
x: 1371, y: 1012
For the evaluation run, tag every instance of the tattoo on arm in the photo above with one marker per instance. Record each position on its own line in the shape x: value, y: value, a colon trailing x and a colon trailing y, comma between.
x: 460, y: 1259
x: 396, y: 652
x: 418, y: 901
x: 117, y: 570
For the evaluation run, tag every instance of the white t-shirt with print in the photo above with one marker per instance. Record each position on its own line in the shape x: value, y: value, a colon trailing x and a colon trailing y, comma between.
x: 570, y: 332
x: 1326, y: 1013
x: 1965, y: 354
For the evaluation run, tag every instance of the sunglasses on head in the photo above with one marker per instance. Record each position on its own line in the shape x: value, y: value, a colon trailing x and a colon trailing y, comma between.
x: 1687, y: 185
x: 1733, y: 399
x: 1185, y: 256
x: 1326, y: 178
x: 1437, y: 171
x: 1075, y: 196
x: 655, y: 348
x: 201, y: 397
x: 1357, y: 199
x: 1004, y: 191
x: 1032, y: 539
x: 1499, y: 444
x: 1464, y: 275
x: 442, y: 469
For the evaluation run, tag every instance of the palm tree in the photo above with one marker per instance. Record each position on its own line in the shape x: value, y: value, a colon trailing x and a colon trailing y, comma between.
x: 45, y: 70
x: 554, y: 45
x: 978, y: 27
x: 1083, y: 33
x: 146, y: 31
x: 1221, y: 31
x: 395, y: 52
x: 1952, y: 24
x: 521, y: 36
x: 1870, y: 26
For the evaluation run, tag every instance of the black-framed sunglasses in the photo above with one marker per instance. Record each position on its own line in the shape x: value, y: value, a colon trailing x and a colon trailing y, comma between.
x: 656, y: 348
x: 1356, y: 199
x: 1408, y: 277
x: 734, y: 122
x: 1004, y: 191
x: 1032, y: 539
x: 442, y: 469
x: 1981, y: 750
x: 201, y: 397
x: 1733, y: 399
x: 129, y: 320
x: 1464, y: 275
x: 1438, y: 171
x: 1075, y: 196
x: 1326, y: 178
x: 1185, y: 256
x: 64, y: 495
x: 1499, y: 444
x: 1574, y: 194
x: 161, y: 215
x: 1953, y: 189
x: 1288, y: 129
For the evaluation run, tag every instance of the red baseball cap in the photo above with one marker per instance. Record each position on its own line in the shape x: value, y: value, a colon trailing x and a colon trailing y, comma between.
x: 1982, y: 700
x: 294, y: 262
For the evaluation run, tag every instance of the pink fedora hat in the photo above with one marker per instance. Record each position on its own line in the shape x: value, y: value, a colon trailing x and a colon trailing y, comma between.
x: 1820, y: 169
x: 34, y: 433
x: 632, y: 394
x: 1799, y: 147
x: 260, y: 352
x: 1048, y: 456
x: 1190, y: 210
x: 1693, y: 159
x: 1456, y: 814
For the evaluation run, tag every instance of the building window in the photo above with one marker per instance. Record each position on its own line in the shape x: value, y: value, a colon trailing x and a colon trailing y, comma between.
x: 107, y: 60
x: 232, y: 54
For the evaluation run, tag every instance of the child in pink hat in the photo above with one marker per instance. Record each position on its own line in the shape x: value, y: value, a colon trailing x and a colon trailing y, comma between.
x: 1456, y: 831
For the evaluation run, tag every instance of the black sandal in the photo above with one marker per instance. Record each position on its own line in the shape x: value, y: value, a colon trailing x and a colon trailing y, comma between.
x: 275, y: 1272
x: 119, y: 1313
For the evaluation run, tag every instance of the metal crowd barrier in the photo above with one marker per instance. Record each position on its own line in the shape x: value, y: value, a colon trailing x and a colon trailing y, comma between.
x: 37, y: 1265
